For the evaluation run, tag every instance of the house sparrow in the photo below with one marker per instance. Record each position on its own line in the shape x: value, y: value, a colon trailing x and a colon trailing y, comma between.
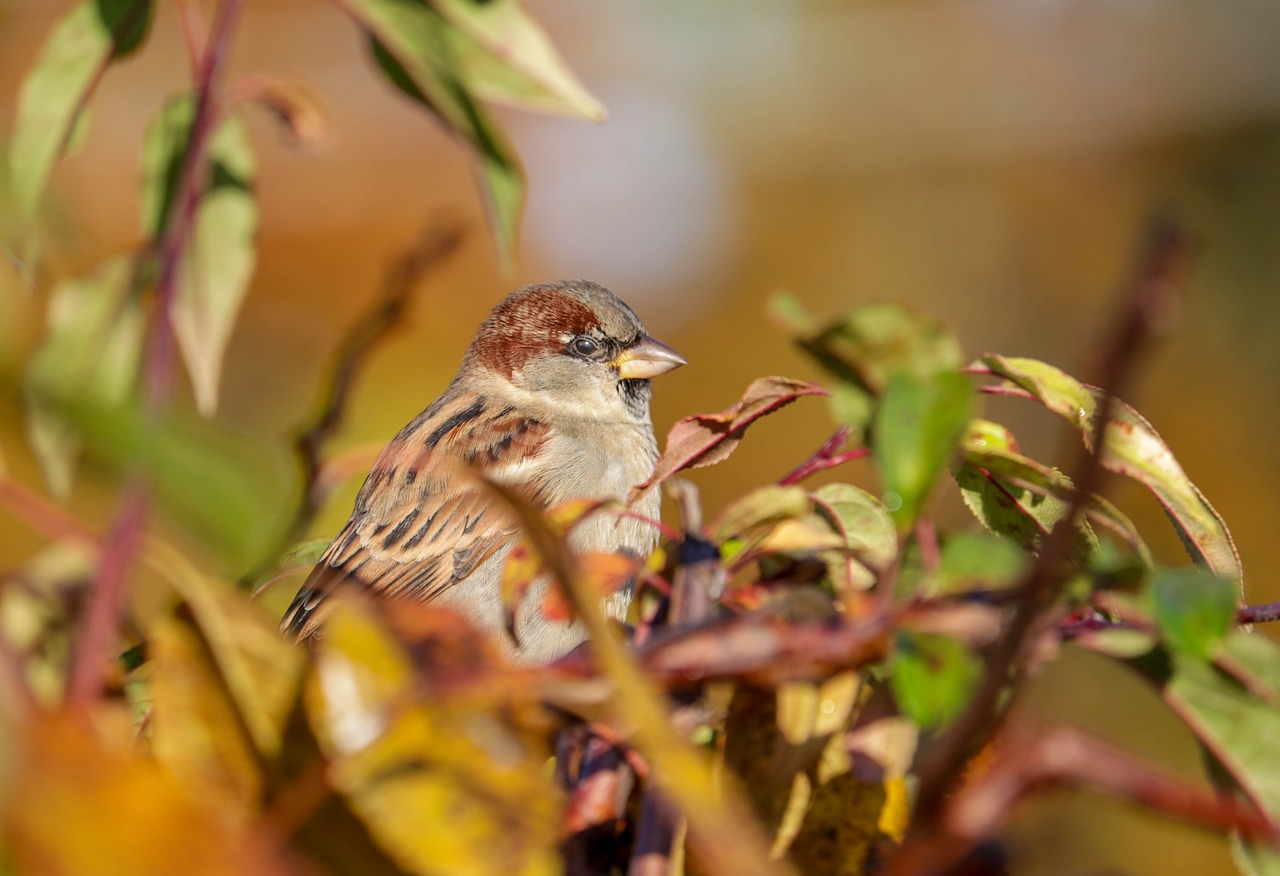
x: 551, y: 400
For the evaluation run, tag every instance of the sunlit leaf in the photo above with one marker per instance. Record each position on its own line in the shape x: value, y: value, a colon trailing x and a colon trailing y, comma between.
x: 825, y: 809
x: 706, y: 439
x: 78, y: 805
x: 224, y: 640
x: 874, y: 342
x: 1255, y: 859
x: 807, y: 534
x: 89, y: 358
x: 1136, y: 451
x: 866, y: 527
x: 414, y: 46
x: 932, y: 677
x: 1017, y: 496
x: 917, y: 427
x: 1052, y: 387
x: 1238, y: 723
x: 195, y: 732
x: 507, y: 58
x: 1194, y: 610
x: 56, y: 92
x: 978, y: 560
x: 218, y: 260
x: 763, y: 505
x: 445, y: 786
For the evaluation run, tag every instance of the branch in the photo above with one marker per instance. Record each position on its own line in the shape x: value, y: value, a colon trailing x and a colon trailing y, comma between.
x: 97, y: 635
x: 1259, y: 614
x: 433, y: 246
x: 1066, y: 757
x: 754, y: 649
x: 697, y: 581
x: 172, y: 241
x: 39, y: 513
x: 1150, y: 298
x: 825, y: 457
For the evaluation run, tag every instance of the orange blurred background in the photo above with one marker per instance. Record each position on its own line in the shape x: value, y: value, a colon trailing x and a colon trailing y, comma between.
x: 992, y: 163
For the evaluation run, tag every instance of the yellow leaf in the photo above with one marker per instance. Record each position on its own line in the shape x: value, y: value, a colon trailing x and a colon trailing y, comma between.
x: 446, y: 786
x: 78, y: 806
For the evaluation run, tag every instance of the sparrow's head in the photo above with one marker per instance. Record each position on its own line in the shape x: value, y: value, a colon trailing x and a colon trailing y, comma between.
x: 574, y: 345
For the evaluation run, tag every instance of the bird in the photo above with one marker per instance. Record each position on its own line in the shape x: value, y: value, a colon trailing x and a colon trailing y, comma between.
x: 551, y: 400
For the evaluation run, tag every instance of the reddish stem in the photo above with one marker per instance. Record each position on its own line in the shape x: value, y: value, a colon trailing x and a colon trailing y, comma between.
x: 172, y: 240
x: 193, y: 33
x: 1259, y: 614
x: 824, y: 457
x: 927, y: 539
x: 1150, y: 297
x: 97, y: 635
x: 41, y: 514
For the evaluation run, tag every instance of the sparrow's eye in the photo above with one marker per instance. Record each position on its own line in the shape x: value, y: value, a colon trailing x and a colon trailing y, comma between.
x: 585, y: 346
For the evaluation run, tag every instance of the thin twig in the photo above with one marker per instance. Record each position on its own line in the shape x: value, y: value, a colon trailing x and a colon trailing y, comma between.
x: 193, y: 33
x: 39, y: 513
x: 97, y: 635
x: 927, y: 541
x: 1150, y: 297
x: 698, y: 578
x: 1259, y: 614
x: 432, y: 247
x: 172, y: 240
x: 825, y: 457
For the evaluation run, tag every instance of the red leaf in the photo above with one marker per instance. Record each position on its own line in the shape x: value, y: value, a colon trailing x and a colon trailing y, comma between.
x: 705, y: 439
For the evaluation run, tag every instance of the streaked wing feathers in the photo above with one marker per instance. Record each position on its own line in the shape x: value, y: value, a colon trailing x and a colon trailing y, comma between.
x: 422, y: 521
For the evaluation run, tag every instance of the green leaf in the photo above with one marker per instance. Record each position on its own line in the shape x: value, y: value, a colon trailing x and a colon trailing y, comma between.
x: 1135, y: 450
x: 1194, y: 610
x: 217, y: 263
x: 1255, y: 859
x: 866, y: 527
x: 917, y: 428
x: 932, y: 677
x: 507, y: 58
x: 1052, y: 387
x: 56, y: 92
x: 978, y: 560
x: 1239, y: 726
x: 89, y: 357
x: 415, y: 47
x: 1230, y: 705
x: 1016, y: 496
x: 852, y: 406
x: 874, y: 342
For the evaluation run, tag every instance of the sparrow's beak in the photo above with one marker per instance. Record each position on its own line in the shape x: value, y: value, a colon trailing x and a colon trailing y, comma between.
x: 647, y: 358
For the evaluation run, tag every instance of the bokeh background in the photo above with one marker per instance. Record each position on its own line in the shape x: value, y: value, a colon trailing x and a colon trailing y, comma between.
x: 991, y: 162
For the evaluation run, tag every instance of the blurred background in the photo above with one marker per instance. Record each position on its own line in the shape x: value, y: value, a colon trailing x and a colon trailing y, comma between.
x: 993, y: 163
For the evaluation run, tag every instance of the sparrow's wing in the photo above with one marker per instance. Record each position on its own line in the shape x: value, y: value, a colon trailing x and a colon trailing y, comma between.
x: 423, y: 521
